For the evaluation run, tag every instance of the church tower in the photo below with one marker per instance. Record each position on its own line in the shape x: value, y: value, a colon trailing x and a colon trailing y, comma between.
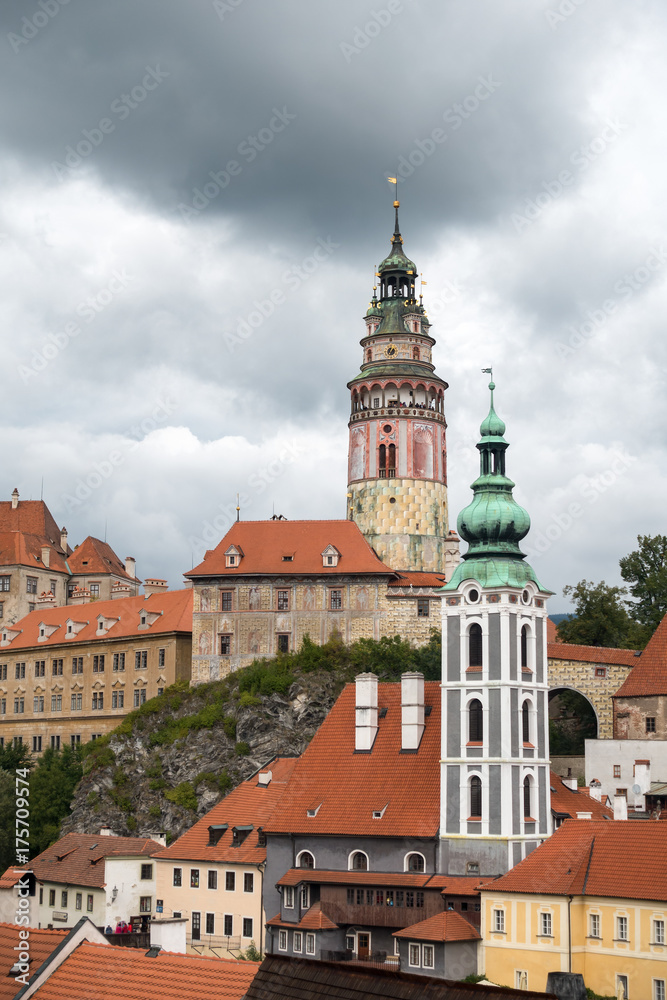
x: 397, y: 459
x: 495, y: 790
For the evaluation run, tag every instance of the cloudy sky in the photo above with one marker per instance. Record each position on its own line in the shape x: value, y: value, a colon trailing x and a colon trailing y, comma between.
x: 169, y: 335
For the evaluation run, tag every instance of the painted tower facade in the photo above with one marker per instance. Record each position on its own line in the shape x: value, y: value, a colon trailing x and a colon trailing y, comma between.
x: 495, y: 796
x: 397, y: 471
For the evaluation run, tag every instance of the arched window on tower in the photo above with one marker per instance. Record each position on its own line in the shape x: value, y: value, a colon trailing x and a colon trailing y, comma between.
x: 524, y: 647
x: 382, y: 461
x: 475, y: 722
x: 525, y: 721
x: 391, y: 460
x: 527, y: 814
x: 415, y: 354
x: 475, y: 797
x: 475, y: 645
x: 369, y: 354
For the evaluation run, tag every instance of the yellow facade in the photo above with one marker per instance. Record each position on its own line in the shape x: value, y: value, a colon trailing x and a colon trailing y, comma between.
x: 526, y: 933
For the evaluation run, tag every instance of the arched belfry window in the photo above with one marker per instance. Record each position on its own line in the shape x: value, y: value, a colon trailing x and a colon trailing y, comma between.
x: 525, y: 721
x: 382, y: 460
x: 359, y: 862
x: 475, y: 645
x: 475, y: 722
x: 391, y: 460
x: 524, y: 647
x: 476, y: 796
x: 527, y: 814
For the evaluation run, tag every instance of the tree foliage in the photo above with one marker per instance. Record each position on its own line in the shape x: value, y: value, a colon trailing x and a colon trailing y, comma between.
x: 600, y: 617
x: 52, y: 785
x: 645, y: 570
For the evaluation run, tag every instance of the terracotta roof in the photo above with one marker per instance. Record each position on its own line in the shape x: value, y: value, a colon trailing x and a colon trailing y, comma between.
x: 417, y: 880
x: 445, y: 926
x: 96, y: 557
x: 552, y: 631
x: 173, y: 607
x: 625, y: 859
x: 590, y: 654
x: 30, y: 516
x: 460, y: 885
x: 42, y: 943
x: 265, y: 543
x: 649, y: 673
x: 569, y: 803
x: 22, y: 549
x: 249, y: 803
x: 350, y: 786
x: 10, y: 878
x: 314, y: 919
x: 75, y: 858
x: 112, y: 973
x: 418, y: 580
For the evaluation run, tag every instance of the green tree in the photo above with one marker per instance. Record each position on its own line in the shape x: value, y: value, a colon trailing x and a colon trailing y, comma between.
x: 52, y: 785
x: 645, y: 570
x: 600, y: 617
x: 7, y: 820
x: 13, y: 756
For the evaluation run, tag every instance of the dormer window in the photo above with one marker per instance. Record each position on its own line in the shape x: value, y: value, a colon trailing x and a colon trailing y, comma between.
x: 215, y: 832
x: 233, y: 556
x: 313, y: 811
x: 239, y: 834
x: 330, y: 556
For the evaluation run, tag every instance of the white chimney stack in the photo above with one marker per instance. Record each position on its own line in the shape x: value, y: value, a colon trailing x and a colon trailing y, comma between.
x: 584, y: 815
x: 131, y: 566
x: 570, y: 783
x: 15, y: 499
x: 154, y: 586
x: 412, y: 710
x: 63, y: 539
x: 620, y: 807
x: 46, y: 556
x: 366, y: 711
x: 596, y: 791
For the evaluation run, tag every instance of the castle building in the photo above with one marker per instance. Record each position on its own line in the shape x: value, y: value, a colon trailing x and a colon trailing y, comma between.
x: 495, y: 789
x: 397, y: 468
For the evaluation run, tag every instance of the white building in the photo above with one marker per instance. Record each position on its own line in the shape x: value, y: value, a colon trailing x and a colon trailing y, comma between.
x: 626, y: 768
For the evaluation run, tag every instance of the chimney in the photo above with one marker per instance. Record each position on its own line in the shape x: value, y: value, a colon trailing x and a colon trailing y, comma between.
x: 412, y: 710
x: 106, y: 831
x: 120, y: 590
x: 596, y: 790
x: 154, y: 586
x: 15, y: 499
x: 620, y: 807
x: 366, y: 711
x: 131, y: 566
x: 46, y: 555
x: 584, y: 815
x: 63, y: 539
x: 46, y: 600
x: 570, y: 783
x: 81, y: 595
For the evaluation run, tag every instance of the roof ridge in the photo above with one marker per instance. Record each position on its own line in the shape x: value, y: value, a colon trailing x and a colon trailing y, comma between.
x: 588, y: 866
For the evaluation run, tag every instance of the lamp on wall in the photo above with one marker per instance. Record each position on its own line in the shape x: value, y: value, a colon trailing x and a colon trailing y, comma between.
x: 114, y: 893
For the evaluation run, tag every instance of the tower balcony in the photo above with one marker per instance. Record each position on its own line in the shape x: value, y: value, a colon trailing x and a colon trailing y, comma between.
x: 399, y: 411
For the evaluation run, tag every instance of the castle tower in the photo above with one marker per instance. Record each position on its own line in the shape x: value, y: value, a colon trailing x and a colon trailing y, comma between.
x: 495, y: 797
x: 397, y: 459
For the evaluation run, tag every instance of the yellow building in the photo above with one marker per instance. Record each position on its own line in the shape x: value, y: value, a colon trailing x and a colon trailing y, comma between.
x: 592, y: 900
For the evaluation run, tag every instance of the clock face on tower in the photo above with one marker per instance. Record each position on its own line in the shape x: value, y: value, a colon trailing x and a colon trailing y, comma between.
x: 390, y: 351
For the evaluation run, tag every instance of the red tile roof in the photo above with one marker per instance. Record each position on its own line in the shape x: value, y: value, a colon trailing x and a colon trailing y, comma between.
x: 552, y: 631
x: 21, y: 549
x: 649, y: 674
x: 418, y: 580
x: 76, y: 858
x: 590, y: 654
x: 96, y: 557
x: 625, y: 859
x: 112, y: 973
x: 249, y: 804
x: 314, y: 919
x: 350, y: 786
x: 569, y: 803
x: 30, y: 516
x: 265, y: 543
x: 42, y: 943
x: 445, y: 926
x: 174, y: 608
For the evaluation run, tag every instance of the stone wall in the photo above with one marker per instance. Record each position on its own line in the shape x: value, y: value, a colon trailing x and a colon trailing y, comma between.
x: 585, y: 678
x: 630, y: 715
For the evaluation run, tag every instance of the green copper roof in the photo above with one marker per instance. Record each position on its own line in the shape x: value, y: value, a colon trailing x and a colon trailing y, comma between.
x: 394, y: 369
x: 397, y: 261
x: 493, y: 523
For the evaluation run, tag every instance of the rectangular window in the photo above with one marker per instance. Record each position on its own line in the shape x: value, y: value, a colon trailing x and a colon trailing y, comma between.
x: 228, y: 924
x: 160, y: 657
x: 194, y: 878
x: 248, y: 881
x: 283, y: 600
x: 212, y: 879
x: 19, y: 706
x: 310, y: 944
x: 225, y: 600
x: 52, y: 897
x: 335, y: 600
x: 595, y: 925
x: 283, y: 643
x: 423, y: 607
x: 297, y: 944
x: 145, y: 904
x: 230, y: 881
x: 399, y: 897
x: 409, y: 898
x: 282, y: 941
x: 76, y: 702
x: 379, y: 897
x: 210, y: 923
x: 247, y: 927
x: 414, y: 955
x: 78, y: 901
x: 52, y: 586
x: 94, y: 589
x: 141, y: 659
x: 77, y: 664
x: 56, y: 703
x: 4, y: 583
x: 37, y: 744
x: 196, y: 926
x: 622, y: 982
x: 20, y: 671
x: 545, y: 924
x: 650, y: 723
x: 55, y: 742
x: 178, y: 877
x: 119, y: 661
x: 139, y: 697
x: 658, y: 989
x: 3, y: 671
x: 75, y: 739
x: 89, y: 903
x: 658, y: 932
x: 38, y: 703
x: 600, y: 671
x: 40, y: 668
x: 98, y: 664
x: 98, y: 700
x: 225, y: 645
x: 146, y: 871
x: 428, y: 956
x: 3, y: 706
x: 57, y: 668
x: 617, y: 770
x: 499, y: 921
x: 288, y: 897
x: 305, y: 897
x: 622, y: 928
x: 31, y: 585
x: 419, y: 900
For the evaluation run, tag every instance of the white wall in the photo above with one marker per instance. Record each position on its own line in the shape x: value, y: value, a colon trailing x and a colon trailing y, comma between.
x: 124, y: 874
x: 602, y: 755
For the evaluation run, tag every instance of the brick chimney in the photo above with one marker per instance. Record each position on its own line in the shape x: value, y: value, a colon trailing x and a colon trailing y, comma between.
x: 154, y: 586
x: 15, y: 499
x: 412, y: 710
x: 366, y: 711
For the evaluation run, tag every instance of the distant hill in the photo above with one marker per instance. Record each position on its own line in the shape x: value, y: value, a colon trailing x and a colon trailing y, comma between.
x: 557, y: 619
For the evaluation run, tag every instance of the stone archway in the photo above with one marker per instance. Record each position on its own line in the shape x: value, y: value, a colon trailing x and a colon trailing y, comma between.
x: 596, y: 680
x: 572, y: 720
